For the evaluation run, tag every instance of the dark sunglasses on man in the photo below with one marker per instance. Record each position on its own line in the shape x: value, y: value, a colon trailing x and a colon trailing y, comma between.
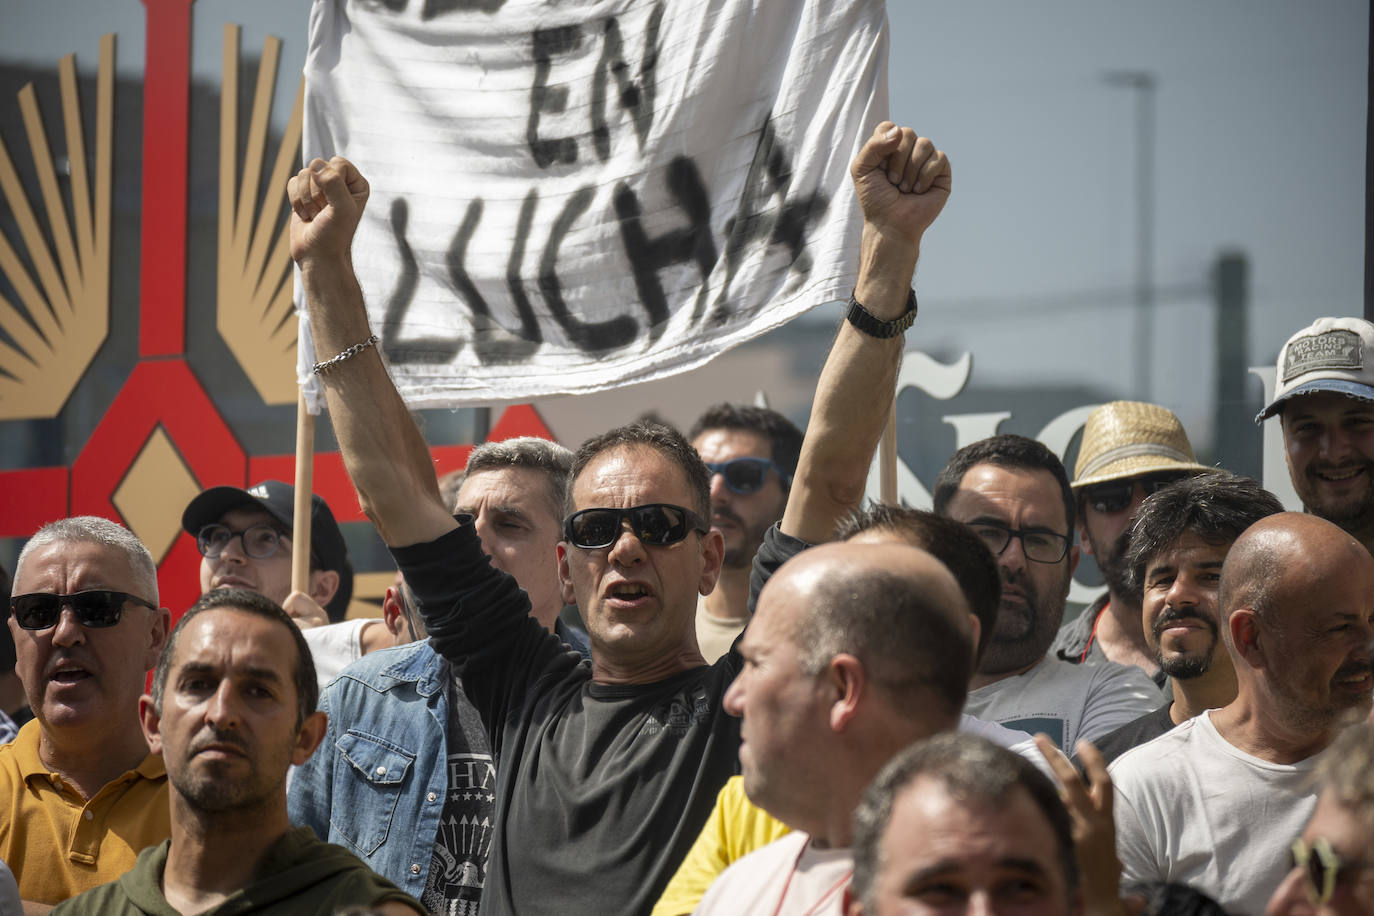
x: 96, y: 608
x: 1115, y: 495
x: 655, y: 524
x: 747, y: 475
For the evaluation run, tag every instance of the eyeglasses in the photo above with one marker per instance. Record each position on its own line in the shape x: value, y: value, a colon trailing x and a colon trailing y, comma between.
x: 1320, y: 864
x: 1115, y: 495
x: 259, y: 541
x: 655, y: 524
x: 747, y: 475
x: 97, y: 608
x: 1040, y: 546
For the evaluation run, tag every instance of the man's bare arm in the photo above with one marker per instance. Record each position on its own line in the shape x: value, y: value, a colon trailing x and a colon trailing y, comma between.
x: 902, y: 183
x: 383, y: 450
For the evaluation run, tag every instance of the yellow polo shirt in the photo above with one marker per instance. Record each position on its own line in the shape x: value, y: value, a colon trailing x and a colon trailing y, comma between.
x: 58, y: 845
x: 735, y: 828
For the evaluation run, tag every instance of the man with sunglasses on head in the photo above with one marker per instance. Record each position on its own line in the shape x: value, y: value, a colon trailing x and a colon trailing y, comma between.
x: 751, y: 453
x: 1015, y: 494
x: 607, y: 770
x: 82, y: 795
x: 1333, y: 859
x: 1215, y: 802
x: 1129, y: 450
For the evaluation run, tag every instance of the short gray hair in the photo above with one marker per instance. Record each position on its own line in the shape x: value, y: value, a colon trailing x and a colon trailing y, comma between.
x: 531, y: 452
x: 92, y: 529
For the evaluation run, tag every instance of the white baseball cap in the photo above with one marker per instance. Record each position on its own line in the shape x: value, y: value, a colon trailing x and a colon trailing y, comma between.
x: 1331, y: 354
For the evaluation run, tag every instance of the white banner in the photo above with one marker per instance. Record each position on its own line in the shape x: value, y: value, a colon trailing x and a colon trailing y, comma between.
x: 570, y: 196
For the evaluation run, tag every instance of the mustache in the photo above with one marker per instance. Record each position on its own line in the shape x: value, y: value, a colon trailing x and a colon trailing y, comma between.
x: 221, y: 738
x: 1353, y: 669
x: 1322, y: 468
x: 1174, y: 615
x: 725, y: 513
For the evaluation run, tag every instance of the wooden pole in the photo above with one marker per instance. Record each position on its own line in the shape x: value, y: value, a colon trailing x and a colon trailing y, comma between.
x: 887, y: 459
x: 305, y: 482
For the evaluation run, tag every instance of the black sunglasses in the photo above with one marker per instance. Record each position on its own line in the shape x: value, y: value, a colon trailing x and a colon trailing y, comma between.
x: 655, y: 524
x: 747, y: 475
x: 97, y: 608
x: 1114, y: 495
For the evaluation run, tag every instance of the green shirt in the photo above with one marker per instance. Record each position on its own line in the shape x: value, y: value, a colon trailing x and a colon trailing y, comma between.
x: 299, y: 875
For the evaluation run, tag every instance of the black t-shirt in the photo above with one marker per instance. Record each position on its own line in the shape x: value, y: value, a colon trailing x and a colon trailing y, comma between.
x: 1134, y: 733
x: 453, y: 884
x: 600, y: 789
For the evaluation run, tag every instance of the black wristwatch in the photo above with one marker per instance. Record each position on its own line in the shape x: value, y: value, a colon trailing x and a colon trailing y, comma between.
x: 865, y: 321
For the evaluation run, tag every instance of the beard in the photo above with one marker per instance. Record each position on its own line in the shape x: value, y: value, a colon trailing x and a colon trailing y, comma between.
x: 211, y: 792
x: 1111, y: 561
x: 1026, y: 626
x: 1183, y: 667
x: 1354, y: 514
x: 740, y: 553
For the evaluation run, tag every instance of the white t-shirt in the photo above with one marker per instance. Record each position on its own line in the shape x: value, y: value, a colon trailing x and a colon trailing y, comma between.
x: 813, y: 880
x: 1191, y: 808
x: 1066, y: 702
x: 335, y: 646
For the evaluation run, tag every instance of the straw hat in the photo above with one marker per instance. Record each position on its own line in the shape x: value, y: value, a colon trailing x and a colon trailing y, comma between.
x: 1129, y: 439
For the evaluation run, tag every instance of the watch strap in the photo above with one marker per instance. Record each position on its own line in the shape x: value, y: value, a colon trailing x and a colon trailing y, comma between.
x: 865, y: 321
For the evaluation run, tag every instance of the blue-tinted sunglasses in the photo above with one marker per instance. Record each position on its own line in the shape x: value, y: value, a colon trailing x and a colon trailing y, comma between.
x: 747, y: 475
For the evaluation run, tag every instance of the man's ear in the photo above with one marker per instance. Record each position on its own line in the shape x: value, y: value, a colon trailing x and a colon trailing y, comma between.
x: 1083, y: 540
x: 393, y: 618
x: 1244, y: 626
x: 311, y: 734
x: 159, y: 626
x: 565, y: 585
x: 712, y: 556
x: 152, y: 723
x: 849, y: 683
x: 324, y: 584
x: 1073, y: 560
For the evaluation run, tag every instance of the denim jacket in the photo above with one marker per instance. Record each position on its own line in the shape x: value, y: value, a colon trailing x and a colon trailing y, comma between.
x: 376, y: 783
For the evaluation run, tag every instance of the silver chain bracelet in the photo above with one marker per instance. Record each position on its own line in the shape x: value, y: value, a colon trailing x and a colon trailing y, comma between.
x: 346, y: 354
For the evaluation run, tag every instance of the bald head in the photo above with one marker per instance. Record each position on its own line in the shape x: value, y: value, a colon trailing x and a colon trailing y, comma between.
x: 1275, y: 560
x: 894, y: 607
x: 1297, y: 597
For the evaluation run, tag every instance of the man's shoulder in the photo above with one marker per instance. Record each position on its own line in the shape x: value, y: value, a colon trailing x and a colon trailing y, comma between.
x: 1142, y: 763
x: 300, y: 864
x: 1075, y: 635
x: 411, y: 663
x: 138, y: 891
x: 1135, y: 733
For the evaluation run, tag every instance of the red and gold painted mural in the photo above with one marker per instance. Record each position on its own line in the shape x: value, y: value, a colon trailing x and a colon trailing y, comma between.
x: 162, y: 439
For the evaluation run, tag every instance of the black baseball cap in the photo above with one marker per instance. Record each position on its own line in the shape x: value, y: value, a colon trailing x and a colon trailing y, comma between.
x: 278, y: 500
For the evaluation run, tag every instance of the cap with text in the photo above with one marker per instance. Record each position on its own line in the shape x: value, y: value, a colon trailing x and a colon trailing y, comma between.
x: 1330, y: 355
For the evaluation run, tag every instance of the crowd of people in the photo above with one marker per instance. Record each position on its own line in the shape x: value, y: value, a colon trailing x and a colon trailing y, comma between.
x: 778, y: 700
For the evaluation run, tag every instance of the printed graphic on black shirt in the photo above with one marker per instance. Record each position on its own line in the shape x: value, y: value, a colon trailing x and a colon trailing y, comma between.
x: 679, y: 713
x: 458, y: 867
